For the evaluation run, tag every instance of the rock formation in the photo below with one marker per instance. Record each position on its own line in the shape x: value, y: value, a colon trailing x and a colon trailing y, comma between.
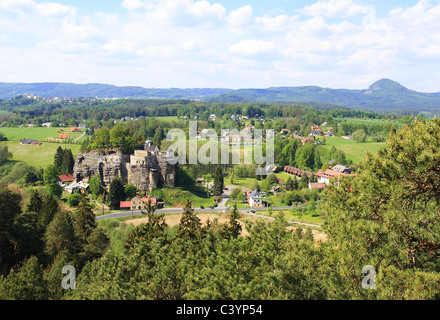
x: 147, y: 169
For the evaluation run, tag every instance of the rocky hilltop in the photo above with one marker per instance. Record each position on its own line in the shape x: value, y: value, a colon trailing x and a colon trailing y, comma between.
x: 147, y: 169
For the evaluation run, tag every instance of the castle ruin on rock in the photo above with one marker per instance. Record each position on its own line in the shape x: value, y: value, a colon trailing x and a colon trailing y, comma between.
x: 147, y: 169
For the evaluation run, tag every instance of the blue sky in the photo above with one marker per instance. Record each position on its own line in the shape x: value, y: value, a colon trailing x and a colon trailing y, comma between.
x: 229, y: 44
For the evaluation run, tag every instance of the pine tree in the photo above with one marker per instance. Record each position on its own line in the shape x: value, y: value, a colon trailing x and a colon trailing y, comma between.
x: 68, y: 162
x: 51, y: 179
x: 60, y: 235
x: 35, y: 202
x: 218, y: 187
x: 48, y: 210
x: 58, y: 158
x: 233, y: 228
x: 116, y: 193
x: 26, y: 284
x: 190, y: 225
x: 85, y: 219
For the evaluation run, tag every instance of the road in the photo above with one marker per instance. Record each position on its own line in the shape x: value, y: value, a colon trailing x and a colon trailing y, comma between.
x: 246, y: 211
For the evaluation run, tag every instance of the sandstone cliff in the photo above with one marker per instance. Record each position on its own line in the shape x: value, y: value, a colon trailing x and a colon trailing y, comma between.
x: 146, y: 170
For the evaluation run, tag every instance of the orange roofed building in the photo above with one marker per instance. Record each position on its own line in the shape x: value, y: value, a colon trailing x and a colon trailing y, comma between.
x: 325, y: 176
x: 138, y: 203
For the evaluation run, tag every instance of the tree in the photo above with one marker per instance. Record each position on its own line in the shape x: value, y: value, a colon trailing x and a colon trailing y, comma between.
x: 307, y: 158
x: 235, y: 193
x: 60, y: 235
x: 256, y: 186
x: 68, y: 162
x: 266, y: 185
x: 95, y: 186
x: 48, y: 210
x: 289, y: 184
x: 303, y: 181
x: 5, y: 155
x: 393, y: 221
x: 159, y: 135
x: 218, y: 186
x: 101, y: 139
x: 35, y: 202
x: 51, y: 179
x: 85, y: 218
x: 116, y: 193
x: 190, y: 226
x: 73, y: 199
x: 359, y: 136
x: 26, y: 284
x: 154, y: 228
x: 130, y: 191
x: 58, y: 157
x: 233, y: 228
x: 9, y: 209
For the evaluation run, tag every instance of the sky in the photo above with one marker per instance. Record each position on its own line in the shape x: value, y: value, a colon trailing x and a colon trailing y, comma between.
x: 222, y: 44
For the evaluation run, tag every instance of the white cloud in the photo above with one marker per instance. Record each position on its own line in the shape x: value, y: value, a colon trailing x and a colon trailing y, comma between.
x: 137, y: 4
x: 200, y: 43
x: 179, y: 12
x: 32, y: 7
x: 117, y: 46
x: 251, y: 47
x: 334, y: 8
x: 158, y: 52
x: 240, y: 17
x: 277, y: 23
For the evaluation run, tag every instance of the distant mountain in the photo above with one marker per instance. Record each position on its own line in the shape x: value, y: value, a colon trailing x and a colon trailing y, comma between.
x: 382, y: 96
x: 92, y: 90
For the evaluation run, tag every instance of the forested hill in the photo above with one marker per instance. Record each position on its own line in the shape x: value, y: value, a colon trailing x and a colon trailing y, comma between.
x: 92, y: 90
x: 382, y: 96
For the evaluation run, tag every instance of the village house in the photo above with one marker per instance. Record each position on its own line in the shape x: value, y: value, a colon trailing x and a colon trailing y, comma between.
x: 318, y: 186
x: 75, y: 186
x: 65, y: 178
x: 29, y: 142
x: 308, y: 140
x: 341, y: 168
x: 138, y: 203
x: 327, y: 175
x: 64, y: 136
x: 207, y: 133
x: 297, y: 172
x: 254, y: 199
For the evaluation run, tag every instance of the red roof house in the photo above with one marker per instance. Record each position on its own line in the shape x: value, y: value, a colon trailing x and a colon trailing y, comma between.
x: 66, y: 178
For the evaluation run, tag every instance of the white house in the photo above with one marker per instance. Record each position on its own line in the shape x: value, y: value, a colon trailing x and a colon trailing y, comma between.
x: 255, y: 199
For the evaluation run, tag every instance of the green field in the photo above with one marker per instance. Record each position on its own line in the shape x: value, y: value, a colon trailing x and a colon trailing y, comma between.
x: 38, y: 155
x: 35, y: 133
x: 354, y: 151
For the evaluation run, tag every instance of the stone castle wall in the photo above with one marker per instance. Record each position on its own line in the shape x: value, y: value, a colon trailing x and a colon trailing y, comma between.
x: 145, y: 172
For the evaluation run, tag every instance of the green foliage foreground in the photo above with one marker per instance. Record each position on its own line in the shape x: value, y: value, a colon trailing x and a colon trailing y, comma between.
x: 386, y: 218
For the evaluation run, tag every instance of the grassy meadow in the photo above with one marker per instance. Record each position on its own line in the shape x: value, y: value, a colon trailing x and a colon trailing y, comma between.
x: 38, y: 155
x: 36, y: 133
x: 354, y: 151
